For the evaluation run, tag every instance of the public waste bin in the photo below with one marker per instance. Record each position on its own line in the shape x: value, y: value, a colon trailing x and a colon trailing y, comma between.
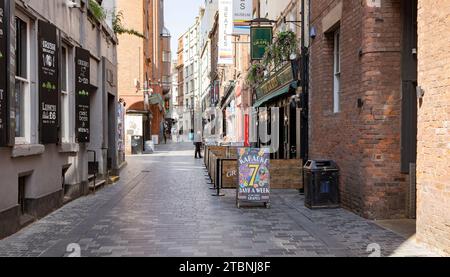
x: 321, y: 179
x: 137, y: 145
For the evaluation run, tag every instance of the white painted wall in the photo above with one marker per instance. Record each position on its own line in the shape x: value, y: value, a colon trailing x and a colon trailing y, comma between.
x: 46, y: 169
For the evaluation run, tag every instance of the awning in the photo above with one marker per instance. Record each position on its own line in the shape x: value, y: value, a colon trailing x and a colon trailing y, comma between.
x: 276, y: 94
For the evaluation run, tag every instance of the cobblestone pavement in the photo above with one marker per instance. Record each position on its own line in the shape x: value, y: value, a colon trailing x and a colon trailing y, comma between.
x: 163, y: 207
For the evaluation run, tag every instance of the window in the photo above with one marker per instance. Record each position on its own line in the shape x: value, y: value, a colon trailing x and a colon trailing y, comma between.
x: 65, y: 107
x: 337, y: 72
x: 192, y: 86
x: 22, y: 82
x: 166, y: 56
x: 21, y: 195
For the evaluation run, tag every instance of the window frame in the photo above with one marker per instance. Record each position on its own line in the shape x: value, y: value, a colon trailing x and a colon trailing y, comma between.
x: 25, y: 110
x: 337, y: 70
x: 67, y: 136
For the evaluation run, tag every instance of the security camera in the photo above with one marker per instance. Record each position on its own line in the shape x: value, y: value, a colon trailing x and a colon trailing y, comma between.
x: 72, y: 4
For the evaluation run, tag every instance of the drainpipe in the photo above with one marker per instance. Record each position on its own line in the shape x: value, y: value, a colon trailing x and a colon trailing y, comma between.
x: 305, y: 87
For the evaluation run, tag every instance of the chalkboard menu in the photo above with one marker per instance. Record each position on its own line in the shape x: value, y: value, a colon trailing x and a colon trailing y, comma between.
x: 3, y: 75
x: 254, y: 175
x: 48, y: 83
x: 82, y: 96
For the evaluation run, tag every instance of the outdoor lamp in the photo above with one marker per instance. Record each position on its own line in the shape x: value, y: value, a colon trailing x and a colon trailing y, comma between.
x: 313, y: 32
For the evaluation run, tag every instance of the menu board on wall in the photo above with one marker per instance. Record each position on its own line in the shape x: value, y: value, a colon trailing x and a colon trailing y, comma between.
x: 254, y: 175
x: 3, y: 75
x: 82, y: 95
x: 48, y: 83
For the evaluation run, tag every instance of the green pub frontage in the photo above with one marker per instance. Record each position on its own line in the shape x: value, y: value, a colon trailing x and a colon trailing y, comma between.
x: 224, y: 163
x: 280, y: 91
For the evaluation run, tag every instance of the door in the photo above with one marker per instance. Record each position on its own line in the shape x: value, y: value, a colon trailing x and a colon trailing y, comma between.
x: 409, y: 100
x: 409, y: 85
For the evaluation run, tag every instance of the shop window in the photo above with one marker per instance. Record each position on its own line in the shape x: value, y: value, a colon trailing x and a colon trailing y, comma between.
x: 337, y: 72
x: 22, y: 81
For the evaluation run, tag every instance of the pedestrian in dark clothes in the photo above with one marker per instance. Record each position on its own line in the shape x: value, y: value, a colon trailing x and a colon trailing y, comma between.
x: 198, y: 145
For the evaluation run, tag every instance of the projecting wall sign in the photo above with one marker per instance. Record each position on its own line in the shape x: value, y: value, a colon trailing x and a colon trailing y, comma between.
x: 48, y: 83
x: 3, y: 75
x: 82, y: 95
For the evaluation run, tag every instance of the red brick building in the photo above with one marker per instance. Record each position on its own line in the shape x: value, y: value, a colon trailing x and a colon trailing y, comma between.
x: 433, y: 161
x: 363, y: 100
x: 144, y: 67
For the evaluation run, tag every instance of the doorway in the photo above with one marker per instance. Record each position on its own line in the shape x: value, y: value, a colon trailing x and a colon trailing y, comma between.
x: 112, y: 132
x: 409, y: 100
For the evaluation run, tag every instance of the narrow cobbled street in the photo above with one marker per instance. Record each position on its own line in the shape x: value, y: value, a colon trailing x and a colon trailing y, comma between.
x: 163, y: 206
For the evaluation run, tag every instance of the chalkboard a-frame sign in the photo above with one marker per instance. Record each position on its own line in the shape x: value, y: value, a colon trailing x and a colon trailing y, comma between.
x: 49, y: 91
x: 3, y: 75
x: 82, y: 96
x: 254, y: 176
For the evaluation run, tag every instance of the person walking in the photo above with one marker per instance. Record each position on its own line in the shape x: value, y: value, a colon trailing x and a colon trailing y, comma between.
x: 198, y: 145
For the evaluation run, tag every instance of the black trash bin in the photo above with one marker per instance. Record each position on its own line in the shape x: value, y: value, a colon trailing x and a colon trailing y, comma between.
x: 321, y: 179
x: 137, y: 145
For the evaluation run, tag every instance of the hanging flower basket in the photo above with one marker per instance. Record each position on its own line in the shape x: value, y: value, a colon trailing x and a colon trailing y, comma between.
x: 255, y: 75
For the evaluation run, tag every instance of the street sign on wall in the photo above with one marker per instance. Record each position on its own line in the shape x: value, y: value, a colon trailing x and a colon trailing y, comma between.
x: 3, y: 75
x: 82, y: 95
x: 242, y: 13
x: 48, y: 83
x: 260, y: 37
x: 254, y: 175
x: 225, y: 32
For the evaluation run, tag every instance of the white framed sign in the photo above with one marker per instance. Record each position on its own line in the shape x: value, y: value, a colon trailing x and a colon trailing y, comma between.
x: 242, y: 13
x: 225, y: 32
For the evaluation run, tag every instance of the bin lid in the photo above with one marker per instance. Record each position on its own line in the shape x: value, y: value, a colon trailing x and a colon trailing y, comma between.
x: 321, y: 165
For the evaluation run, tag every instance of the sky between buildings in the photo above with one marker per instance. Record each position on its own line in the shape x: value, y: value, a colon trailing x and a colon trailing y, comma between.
x: 179, y: 16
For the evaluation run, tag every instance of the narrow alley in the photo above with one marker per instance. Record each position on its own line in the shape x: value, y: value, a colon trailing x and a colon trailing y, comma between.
x: 163, y: 206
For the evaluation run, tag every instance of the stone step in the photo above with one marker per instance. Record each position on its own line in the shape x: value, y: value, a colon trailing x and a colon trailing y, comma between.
x: 98, y: 184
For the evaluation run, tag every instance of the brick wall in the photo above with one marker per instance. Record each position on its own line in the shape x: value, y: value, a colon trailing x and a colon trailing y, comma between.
x: 433, y: 167
x: 129, y: 50
x: 365, y: 141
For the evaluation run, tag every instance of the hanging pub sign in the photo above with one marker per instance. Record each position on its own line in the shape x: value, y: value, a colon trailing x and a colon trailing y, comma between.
x: 260, y: 37
x: 48, y: 83
x: 82, y: 95
x: 3, y: 75
x: 254, y: 175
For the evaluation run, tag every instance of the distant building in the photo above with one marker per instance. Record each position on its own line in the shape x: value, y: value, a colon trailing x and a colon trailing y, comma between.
x: 144, y: 66
x: 190, y: 77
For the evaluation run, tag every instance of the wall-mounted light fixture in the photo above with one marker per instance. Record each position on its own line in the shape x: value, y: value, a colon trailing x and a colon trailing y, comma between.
x: 420, y: 92
x: 313, y: 32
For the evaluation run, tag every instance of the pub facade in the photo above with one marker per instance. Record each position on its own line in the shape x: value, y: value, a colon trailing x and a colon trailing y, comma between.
x: 58, y: 107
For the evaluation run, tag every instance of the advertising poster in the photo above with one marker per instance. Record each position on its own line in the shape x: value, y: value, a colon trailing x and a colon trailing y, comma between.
x: 3, y: 75
x: 225, y: 32
x: 242, y: 13
x: 254, y: 175
x: 48, y: 83
x: 82, y: 95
